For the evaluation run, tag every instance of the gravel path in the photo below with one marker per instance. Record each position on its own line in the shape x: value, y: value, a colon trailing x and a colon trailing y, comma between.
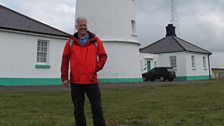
x: 104, y: 85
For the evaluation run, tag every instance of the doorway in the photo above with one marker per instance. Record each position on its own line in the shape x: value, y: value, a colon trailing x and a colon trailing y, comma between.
x: 148, y: 66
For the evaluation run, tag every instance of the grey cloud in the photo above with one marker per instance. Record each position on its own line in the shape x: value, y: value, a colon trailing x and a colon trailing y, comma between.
x: 155, y: 14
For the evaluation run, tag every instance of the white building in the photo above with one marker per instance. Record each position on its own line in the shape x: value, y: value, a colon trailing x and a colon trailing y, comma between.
x: 114, y: 22
x: 30, y: 51
x: 191, y: 62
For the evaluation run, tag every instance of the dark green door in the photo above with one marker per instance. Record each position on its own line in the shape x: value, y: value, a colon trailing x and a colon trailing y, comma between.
x: 148, y: 65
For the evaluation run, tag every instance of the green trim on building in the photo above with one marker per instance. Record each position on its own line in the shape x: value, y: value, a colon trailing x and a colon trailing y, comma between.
x: 117, y: 80
x: 206, y: 77
x: 55, y: 81
x: 42, y: 66
x: 29, y: 81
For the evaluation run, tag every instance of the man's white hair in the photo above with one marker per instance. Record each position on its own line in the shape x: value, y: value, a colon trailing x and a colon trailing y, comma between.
x: 78, y: 19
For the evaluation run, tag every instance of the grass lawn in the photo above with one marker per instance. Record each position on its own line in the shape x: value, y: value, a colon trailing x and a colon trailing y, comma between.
x: 169, y: 105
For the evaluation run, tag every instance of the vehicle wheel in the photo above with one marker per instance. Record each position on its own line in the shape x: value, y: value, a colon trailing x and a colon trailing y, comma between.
x: 145, y: 78
x: 170, y: 79
x: 162, y: 78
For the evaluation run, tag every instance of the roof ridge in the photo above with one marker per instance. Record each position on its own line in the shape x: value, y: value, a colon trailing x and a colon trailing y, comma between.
x: 194, y: 45
x: 174, y: 37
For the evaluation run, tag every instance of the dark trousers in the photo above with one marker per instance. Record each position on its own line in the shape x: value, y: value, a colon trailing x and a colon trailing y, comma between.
x: 78, y: 97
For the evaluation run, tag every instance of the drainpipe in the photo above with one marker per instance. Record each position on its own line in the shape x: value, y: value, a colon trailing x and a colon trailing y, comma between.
x: 209, y: 67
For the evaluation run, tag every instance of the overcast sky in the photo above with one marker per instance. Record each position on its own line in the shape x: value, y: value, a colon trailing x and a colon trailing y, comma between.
x: 200, y: 22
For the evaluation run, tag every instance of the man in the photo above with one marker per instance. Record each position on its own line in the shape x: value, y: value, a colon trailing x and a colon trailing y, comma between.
x: 86, y: 55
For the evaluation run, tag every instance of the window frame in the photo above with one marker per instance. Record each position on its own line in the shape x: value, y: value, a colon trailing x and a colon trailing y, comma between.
x: 133, y: 28
x: 193, y: 63
x: 204, y: 63
x: 173, y: 64
x: 42, y: 54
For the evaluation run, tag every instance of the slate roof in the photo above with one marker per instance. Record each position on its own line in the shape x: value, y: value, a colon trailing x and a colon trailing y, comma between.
x: 171, y: 43
x: 12, y: 20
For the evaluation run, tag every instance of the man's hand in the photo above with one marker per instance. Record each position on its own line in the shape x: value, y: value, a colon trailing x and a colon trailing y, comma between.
x: 66, y: 83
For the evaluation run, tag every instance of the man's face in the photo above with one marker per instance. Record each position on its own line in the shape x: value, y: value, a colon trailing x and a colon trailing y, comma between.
x: 81, y: 27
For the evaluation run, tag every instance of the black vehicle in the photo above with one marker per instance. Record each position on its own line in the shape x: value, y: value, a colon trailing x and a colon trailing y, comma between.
x: 161, y: 73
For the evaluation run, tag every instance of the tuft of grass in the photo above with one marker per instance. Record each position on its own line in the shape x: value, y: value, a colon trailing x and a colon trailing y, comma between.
x: 173, y: 105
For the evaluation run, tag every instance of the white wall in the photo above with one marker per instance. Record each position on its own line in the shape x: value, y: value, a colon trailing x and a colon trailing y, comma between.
x: 122, y: 61
x: 184, y: 63
x: 164, y: 60
x: 199, y: 71
x: 19, y: 52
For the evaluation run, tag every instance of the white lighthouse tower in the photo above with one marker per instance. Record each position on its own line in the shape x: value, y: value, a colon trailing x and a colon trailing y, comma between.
x: 114, y: 22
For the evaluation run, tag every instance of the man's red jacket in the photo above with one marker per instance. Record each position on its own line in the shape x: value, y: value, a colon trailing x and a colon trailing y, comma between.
x: 85, y: 60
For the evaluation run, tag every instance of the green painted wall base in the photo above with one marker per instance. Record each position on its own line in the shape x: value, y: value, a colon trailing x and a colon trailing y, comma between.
x: 29, y: 81
x: 55, y: 81
x: 206, y: 77
x: 118, y: 80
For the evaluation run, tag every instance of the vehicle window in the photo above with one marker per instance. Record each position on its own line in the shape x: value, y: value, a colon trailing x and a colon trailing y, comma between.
x: 170, y: 70
x: 153, y: 70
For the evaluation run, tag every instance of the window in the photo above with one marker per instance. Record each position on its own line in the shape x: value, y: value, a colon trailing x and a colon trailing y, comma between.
x: 204, y: 62
x: 42, y: 51
x: 155, y: 64
x: 193, y: 62
x: 141, y: 65
x: 145, y: 67
x: 173, y: 62
x: 133, y: 26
